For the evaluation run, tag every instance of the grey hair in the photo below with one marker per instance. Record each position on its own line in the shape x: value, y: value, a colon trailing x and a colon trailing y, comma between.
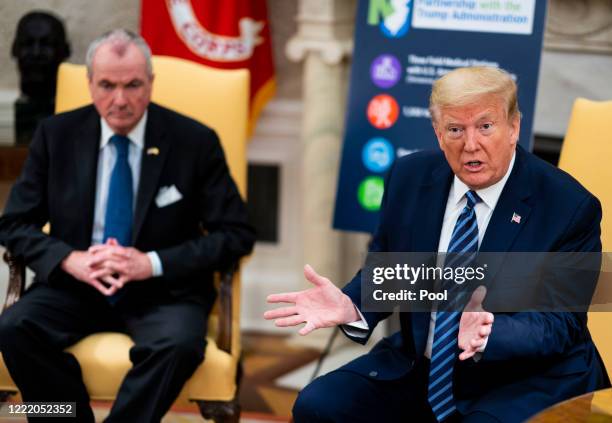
x: 120, y: 36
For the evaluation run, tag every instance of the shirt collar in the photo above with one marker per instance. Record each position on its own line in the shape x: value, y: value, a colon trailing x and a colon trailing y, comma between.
x: 136, y: 135
x: 489, y: 195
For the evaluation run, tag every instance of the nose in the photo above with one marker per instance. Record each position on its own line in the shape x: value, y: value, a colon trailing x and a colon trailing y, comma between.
x: 471, y: 140
x: 119, y: 98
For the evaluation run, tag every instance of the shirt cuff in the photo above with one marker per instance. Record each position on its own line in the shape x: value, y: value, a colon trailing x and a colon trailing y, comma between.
x: 358, y: 328
x: 482, y: 348
x: 156, y: 264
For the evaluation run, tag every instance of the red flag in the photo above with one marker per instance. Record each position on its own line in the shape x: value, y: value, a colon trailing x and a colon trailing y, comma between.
x: 226, y: 34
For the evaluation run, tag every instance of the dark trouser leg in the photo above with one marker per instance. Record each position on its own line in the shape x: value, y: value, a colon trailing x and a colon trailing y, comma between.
x: 345, y: 396
x: 35, y: 331
x: 169, y: 346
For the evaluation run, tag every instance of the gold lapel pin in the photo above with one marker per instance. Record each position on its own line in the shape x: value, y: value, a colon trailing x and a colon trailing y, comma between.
x: 153, y: 151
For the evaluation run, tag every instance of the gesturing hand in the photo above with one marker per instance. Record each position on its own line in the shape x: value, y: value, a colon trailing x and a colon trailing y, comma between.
x: 475, y: 325
x: 320, y: 307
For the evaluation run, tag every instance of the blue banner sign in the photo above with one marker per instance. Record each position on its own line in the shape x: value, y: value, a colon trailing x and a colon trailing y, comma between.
x: 401, y: 47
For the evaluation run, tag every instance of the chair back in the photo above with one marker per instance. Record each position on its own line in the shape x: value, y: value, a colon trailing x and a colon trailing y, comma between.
x: 218, y: 98
x: 587, y: 156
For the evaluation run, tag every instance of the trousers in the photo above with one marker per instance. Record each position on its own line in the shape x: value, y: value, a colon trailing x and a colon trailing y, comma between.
x: 169, y: 337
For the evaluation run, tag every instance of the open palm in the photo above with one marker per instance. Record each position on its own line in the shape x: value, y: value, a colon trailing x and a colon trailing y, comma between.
x: 322, y: 306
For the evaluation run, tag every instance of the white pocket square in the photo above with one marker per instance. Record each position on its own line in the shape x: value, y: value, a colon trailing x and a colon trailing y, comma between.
x: 167, y: 195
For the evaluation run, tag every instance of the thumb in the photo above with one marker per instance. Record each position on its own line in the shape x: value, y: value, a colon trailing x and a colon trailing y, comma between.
x: 112, y: 241
x: 314, y: 277
x: 478, y: 296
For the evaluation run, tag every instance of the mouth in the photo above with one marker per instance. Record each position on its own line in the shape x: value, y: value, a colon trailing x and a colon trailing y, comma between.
x: 474, y: 165
x: 120, y: 115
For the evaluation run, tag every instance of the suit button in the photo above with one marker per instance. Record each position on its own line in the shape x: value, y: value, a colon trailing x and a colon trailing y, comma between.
x: 373, y: 373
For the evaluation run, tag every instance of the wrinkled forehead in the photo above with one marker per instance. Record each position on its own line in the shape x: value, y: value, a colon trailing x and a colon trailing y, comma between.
x: 120, y: 62
x: 473, y: 110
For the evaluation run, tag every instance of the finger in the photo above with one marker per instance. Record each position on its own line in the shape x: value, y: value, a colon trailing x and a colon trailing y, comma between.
x: 314, y: 277
x: 477, y: 298
x: 280, y: 312
x: 466, y: 354
x: 97, y: 248
x: 477, y: 343
x: 123, y: 280
x: 108, y: 246
x: 110, y: 254
x: 112, y: 241
x: 112, y: 281
x: 108, y: 291
x: 488, y: 318
x: 309, y: 327
x: 289, y: 321
x: 484, y: 331
x: 98, y: 258
x: 288, y: 297
x: 102, y: 272
x: 108, y: 267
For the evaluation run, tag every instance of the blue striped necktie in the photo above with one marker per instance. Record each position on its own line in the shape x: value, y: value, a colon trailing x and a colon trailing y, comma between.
x: 444, y: 348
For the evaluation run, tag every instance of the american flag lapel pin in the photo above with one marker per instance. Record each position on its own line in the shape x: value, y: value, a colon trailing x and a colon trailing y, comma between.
x: 515, y: 218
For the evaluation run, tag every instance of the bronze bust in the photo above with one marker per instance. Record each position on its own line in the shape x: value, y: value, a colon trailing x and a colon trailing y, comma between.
x: 39, y: 47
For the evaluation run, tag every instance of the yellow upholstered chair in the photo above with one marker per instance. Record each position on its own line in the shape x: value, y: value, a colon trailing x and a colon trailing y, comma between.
x: 218, y: 98
x: 587, y: 156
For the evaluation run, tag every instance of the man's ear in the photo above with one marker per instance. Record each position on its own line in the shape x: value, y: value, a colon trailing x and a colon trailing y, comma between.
x: 515, y: 126
x: 438, y: 132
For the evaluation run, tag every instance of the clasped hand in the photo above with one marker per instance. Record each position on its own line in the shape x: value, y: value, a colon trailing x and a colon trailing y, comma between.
x: 108, y: 267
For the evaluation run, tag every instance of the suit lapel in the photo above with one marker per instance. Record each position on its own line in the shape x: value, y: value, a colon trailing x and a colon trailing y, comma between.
x: 151, y: 166
x: 430, y: 211
x: 502, y: 229
x: 426, y: 236
x: 86, y: 151
x: 508, y: 218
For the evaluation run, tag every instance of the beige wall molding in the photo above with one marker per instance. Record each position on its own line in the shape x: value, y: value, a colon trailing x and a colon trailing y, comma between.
x: 579, y: 25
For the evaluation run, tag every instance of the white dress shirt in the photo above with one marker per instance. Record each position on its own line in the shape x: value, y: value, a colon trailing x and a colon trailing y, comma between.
x: 454, y: 205
x: 106, y: 162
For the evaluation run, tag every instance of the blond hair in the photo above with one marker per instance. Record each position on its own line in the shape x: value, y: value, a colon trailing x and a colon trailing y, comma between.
x: 466, y: 86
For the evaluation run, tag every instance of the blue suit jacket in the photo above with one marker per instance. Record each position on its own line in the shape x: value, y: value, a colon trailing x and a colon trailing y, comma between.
x: 532, y: 360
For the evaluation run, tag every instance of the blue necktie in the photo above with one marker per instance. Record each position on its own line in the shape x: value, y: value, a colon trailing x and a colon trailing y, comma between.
x: 444, y: 348
x: 118, y: 217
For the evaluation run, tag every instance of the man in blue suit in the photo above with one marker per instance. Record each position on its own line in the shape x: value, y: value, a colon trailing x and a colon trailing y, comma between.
x: 481, y: 193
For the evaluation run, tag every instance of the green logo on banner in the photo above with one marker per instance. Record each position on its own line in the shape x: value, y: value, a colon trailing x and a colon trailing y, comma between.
x: 370, y: 193
x: 378, y: 9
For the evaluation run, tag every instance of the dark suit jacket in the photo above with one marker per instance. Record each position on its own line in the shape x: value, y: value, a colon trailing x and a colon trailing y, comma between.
x: 532, y: 360
x: 205, y: 231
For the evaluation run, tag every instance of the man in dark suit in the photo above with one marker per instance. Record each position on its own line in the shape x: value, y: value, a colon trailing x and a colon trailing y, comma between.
x: 481, y: 193
x: 142, y: 211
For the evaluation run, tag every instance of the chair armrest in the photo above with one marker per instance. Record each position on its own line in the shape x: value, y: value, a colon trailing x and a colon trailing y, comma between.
x: 16, y: 283
x: 224, y: 333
